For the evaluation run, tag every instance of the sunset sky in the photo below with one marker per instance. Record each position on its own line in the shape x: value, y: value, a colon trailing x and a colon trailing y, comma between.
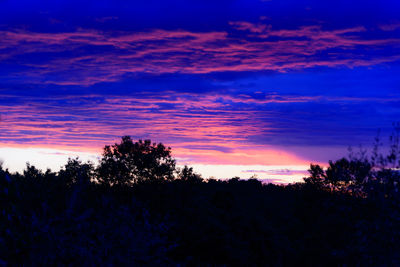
x: 235, y: 88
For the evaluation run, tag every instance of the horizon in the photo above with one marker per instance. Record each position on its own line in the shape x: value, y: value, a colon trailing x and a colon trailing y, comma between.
x: 235, y: 88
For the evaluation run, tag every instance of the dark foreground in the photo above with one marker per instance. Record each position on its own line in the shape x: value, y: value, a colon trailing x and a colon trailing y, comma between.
x: 136, y: 208
x: 216, y: 223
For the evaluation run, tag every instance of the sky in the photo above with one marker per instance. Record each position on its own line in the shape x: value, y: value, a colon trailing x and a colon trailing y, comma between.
x: 235, y: 88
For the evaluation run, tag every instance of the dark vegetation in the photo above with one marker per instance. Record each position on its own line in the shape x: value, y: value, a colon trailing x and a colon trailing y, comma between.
x: 137, y: 208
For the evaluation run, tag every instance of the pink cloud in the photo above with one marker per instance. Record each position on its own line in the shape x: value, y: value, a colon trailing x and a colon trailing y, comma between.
x: 201, y: 128
x: 162, y: 51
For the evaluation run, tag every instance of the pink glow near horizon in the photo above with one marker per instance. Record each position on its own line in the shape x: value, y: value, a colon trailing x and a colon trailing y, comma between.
x: 225, y: 126
x: 198, y: 128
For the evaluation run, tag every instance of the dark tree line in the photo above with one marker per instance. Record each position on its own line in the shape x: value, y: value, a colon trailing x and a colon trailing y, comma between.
x: 137, y: 208
x: 374, y: 175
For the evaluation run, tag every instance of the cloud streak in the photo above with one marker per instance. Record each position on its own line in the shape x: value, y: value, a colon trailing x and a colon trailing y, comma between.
x: 201, y: 128
x: 250, y: 89
x: 86, y: 57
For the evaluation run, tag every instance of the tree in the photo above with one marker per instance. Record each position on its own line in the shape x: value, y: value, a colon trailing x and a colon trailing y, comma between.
x: 76, y: 172
x: 131, y: 162
x: 317, y: 176
x: 32, y: 173
x: 344, y: 171
x: 187, y: 174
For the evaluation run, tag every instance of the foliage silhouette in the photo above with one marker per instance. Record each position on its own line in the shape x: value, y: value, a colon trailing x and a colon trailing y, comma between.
x: 129, y: 162
x: 77, y: 172
x: 376, y: 175
x: 133, y: 210
x: 187, y: 174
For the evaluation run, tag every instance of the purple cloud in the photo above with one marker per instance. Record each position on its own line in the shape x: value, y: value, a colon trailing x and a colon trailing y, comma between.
x: 86, y: 57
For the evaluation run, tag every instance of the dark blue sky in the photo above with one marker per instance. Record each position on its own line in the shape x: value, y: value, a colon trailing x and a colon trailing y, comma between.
x: 222, y: 82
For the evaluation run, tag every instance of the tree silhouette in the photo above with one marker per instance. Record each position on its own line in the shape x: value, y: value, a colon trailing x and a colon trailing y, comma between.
x: 347, y: 213
x: 317, y: 176
x: 76, y: 172
x: 131, y: 162
x: 344, y: 171
x: 372, y: 174
x: 32, y: 173
x: 187, y: 174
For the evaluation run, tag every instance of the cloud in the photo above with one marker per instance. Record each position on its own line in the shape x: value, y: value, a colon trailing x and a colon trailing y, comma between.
x: 84, y: 89
x: 279, y: 171
x: 390, y: 27
x: 201, y: 128
x: 244, y: 25
x: 86, y: 57
x: 212, y: 128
